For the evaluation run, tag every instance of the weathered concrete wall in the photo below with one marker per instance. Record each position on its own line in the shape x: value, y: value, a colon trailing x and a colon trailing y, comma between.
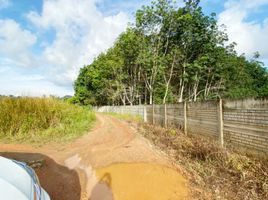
x: 202, y: 118
x: 246, y: 123
x: 242, y: 122
x: 175, y: 116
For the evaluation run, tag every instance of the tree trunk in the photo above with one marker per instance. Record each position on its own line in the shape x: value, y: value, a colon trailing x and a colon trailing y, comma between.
x: 181, y: 93
x: 166, y: 93
x: 151, y: 97
x: 145, y: 95
x: 168, y: 81
x: 182, y: 84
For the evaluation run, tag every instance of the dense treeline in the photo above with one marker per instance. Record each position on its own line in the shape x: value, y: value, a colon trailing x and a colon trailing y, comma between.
x: 170, y: 55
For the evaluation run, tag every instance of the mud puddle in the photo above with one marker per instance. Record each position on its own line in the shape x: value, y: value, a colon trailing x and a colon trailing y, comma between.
x: 138, y: 181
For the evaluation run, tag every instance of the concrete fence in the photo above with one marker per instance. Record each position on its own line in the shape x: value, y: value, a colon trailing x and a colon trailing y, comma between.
x: 241, y: 122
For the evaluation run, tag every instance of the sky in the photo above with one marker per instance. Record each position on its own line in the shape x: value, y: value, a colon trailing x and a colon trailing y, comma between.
x: 44, y: 43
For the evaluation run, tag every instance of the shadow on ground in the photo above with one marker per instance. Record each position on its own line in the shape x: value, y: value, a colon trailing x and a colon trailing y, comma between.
x: 102, y: 190
x: 60, y: 182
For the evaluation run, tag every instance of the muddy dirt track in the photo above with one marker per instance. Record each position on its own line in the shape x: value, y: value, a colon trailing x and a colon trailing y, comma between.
x: 111, y: 162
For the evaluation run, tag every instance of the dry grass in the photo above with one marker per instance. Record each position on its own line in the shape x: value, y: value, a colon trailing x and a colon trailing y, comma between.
x: 41, y: 120
x: 214, y: 172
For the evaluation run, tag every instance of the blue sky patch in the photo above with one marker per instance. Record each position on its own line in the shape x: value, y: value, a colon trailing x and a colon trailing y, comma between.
x: 46, y: 49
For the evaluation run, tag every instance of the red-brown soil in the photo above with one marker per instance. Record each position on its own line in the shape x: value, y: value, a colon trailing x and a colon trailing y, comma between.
x: 72, y: 171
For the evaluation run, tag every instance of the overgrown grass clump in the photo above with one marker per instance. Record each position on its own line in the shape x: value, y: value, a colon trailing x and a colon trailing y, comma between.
x: 42, y: 120
x: 214, y: 172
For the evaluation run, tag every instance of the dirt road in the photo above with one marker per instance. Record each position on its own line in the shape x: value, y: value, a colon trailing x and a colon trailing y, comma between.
x: 112, y: 162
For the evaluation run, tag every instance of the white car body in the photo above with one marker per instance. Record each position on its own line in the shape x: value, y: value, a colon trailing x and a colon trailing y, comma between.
x: 19, y: 182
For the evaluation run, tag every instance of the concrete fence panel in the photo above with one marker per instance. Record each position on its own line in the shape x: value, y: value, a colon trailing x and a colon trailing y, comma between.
x: 202, y: 118
x: 242, y: 122
x: 175, y: 115
x: 246, y: 123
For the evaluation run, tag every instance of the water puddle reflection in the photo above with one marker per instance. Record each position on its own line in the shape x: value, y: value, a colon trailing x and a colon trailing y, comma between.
x: 131, y: 181
x: 140, y: 181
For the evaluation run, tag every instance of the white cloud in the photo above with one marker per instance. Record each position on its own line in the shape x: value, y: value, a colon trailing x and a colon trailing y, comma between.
x: 129, y: 6
x: 4, y: 4
x: 30, y: 87
x: 250, y: 36
x: 27, y: 82
x: 82, y: 32
x: 248, y: 4
x: 15, y: 43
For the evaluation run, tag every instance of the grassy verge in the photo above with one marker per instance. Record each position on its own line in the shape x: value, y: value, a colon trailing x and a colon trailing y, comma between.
x: 213, y: 172
x: 42, y: 120
x: 126, y: 117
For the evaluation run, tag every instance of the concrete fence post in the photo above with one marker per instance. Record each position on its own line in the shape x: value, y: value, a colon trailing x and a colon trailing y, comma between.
x: 165, y: 115
x: 185, y: 118
x: 153, y: 114
x: 144, y: 114
x: 220, y: 122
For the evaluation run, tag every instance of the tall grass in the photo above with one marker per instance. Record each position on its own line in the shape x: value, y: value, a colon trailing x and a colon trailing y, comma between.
x: 42, y: 120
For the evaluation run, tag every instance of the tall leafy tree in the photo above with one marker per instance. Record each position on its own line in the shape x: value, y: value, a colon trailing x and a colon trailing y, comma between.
x: 170, y: 54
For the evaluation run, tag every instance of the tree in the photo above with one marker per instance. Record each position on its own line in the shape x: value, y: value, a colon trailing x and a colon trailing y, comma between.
x: 170, y: 55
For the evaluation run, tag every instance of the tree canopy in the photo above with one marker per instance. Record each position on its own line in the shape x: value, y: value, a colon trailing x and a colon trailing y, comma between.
x: 170, y: 54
